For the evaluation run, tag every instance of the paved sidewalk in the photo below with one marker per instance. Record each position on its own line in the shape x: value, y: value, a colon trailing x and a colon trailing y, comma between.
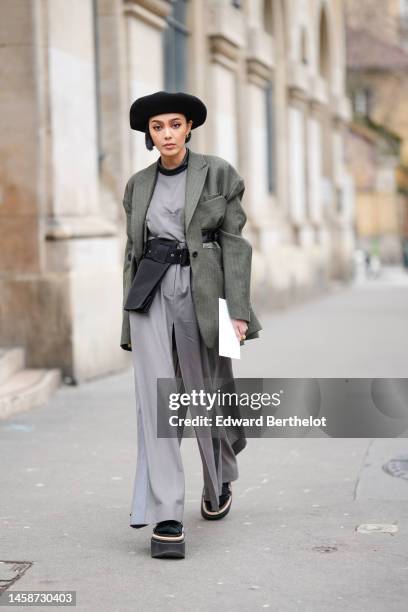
x: 360, y: 331
x: 290, y: 541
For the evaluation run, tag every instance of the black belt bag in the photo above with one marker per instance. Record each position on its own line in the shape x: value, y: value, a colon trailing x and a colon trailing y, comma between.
x: 158, y: 255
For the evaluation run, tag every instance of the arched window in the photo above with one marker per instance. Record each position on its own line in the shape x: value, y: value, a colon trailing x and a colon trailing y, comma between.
x: 175, y: 48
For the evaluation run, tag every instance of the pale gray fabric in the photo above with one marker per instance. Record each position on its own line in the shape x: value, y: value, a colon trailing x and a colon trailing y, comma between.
x: 165, y: 215
x: 159, y: 486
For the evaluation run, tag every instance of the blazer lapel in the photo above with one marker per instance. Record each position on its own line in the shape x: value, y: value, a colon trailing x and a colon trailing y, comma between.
x: 196, y: 174
x: 143, y: 190
x: 142, y: 194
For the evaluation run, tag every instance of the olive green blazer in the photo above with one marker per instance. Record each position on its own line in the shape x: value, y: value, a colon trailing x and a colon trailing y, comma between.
x: 214, y: 191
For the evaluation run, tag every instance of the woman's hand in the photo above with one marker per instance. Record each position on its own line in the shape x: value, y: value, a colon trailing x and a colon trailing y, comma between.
x: 240, y: 327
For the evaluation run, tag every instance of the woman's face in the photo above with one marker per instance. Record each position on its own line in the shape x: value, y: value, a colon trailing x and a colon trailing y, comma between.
x: 169, y: 129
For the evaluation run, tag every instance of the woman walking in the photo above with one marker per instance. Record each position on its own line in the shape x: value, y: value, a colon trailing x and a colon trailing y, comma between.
x: 184, y: 251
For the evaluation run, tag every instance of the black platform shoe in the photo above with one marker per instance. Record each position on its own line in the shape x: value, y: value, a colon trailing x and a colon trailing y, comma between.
x: 225, y: 501
x: 168, y: 539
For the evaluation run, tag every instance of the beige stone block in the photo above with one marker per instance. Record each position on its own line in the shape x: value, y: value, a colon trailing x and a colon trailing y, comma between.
x: 57, y: 256
x: 16, y: 22
x: 96, y: 306
x: 96, y: 299
x: 19, y: 241
x: 109, y: 7
x: 18, y: 190
x: 71, y: 28
x: 35, y: 313
x: 17, y: 69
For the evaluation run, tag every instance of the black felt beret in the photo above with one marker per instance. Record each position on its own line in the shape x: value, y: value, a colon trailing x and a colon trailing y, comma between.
x: 165, y: 102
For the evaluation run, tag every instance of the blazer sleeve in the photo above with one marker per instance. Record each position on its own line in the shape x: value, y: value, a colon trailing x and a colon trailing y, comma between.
x: 236, y: 254
x: 125, y: 341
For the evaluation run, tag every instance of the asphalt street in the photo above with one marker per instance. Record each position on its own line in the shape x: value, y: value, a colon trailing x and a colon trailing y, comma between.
x: 295, y: 537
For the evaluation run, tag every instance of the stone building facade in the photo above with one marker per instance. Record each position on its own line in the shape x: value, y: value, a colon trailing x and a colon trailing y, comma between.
x: 377, y: 83
x: 272, y: 74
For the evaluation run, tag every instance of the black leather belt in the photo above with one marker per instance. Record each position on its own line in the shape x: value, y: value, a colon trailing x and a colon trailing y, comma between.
x: 165, y: 250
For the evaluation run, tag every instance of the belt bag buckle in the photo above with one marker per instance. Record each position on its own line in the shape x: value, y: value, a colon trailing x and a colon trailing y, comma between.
x: 158, y: 252
x: 185, y: 257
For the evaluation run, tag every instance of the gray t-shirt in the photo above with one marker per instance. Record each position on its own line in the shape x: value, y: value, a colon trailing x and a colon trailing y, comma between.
x: 165, y: 215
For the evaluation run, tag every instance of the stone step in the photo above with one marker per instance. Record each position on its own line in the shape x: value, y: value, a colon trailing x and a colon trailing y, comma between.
x: 26, y: 389
x: 12, y: 359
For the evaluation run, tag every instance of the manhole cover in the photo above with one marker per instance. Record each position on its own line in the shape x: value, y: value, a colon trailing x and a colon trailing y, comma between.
x: 398, y: 466
x: 10, y: 571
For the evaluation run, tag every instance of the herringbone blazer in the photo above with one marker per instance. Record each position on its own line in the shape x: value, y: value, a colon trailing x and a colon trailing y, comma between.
x: 214, y: 191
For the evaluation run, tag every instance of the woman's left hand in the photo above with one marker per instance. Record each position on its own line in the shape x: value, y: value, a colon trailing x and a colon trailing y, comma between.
x: 240, y: 327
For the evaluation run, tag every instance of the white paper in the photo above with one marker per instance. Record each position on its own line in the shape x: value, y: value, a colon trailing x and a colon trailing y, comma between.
x: 228, y: 344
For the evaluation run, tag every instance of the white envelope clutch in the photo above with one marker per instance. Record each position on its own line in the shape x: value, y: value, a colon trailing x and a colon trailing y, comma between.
x: 228, y: 344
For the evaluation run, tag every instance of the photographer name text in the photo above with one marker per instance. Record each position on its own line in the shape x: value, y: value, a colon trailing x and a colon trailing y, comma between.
x: 260, y: 421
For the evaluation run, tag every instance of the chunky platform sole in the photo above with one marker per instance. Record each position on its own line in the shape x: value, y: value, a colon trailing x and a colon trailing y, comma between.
x: 161, y: 548
x: 219, y: 514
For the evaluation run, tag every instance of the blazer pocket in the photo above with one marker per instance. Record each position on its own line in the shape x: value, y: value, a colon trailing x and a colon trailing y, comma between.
x: 211, y: 198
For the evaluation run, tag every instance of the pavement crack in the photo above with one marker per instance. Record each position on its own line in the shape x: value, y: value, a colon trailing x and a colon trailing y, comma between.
x: 362, y: 466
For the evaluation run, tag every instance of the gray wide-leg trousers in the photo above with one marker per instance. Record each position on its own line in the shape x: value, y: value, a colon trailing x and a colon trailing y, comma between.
x: 166, y: 343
